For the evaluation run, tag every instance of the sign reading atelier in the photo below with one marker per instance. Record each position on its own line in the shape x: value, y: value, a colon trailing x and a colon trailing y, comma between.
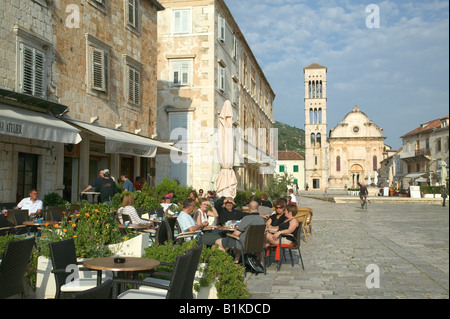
x: 9, y: 127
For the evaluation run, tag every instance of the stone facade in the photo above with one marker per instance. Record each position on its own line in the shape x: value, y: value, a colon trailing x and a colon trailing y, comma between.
x: 204, y: 60
x: 294, y: 164
x: 423, y: 151
x: 99, y: 62
x: 352, y: 150
x: 26, y: 23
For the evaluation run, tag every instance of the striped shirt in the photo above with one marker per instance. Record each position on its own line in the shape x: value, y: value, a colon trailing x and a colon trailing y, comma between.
x: 133, y: 214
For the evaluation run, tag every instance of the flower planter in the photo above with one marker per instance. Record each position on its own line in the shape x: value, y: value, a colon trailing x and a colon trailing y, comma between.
x: 45, y: 281
x: 209, y: 292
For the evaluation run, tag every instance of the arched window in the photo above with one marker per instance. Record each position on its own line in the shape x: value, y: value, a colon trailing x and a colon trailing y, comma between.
x: 311, y: 116
x: 320, y: 116
x: 313, y: 140
x: 315, y: 116
x: 338, y: 164
x: 310, y: 89
x: 318, y: 140
x: 375, y: 164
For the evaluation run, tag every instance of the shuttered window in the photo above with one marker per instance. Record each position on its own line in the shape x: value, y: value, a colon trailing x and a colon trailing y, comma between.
x: 99, y: 69
x: 134, y: 85
x: 181, y: 21
x: 222, y: 29
x: 133, y: 12
x: 33, y: 71
x: 180, y: 72
x: 221, y: 78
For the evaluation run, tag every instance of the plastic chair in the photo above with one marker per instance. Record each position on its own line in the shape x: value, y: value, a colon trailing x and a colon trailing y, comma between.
x: 173, y: 291
x: 280, y: 249
x: 13, y: 267
x: 62, y: 255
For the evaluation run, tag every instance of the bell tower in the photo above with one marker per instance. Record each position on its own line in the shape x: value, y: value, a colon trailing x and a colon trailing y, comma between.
x: 316, y: 145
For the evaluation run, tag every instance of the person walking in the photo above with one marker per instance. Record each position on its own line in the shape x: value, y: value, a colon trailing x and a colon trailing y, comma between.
x: 127, y: 184
x: 444, y: 195
x: 106, y: 187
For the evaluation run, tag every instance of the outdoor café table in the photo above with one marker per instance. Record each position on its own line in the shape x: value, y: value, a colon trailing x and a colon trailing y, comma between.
x: 130, y: 265
x: 134, y: 226
x: 34, y: 223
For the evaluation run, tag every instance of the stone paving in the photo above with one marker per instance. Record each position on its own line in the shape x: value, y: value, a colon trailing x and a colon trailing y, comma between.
x: 409, y: 243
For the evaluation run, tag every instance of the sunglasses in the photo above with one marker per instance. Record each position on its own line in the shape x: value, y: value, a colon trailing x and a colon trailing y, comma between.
x: 278, y: 207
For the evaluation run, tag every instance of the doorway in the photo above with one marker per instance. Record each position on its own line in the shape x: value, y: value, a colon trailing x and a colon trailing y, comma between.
x: 26, y: 175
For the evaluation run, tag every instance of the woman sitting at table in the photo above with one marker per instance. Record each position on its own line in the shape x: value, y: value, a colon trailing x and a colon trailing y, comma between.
x: 203, y: 214
x: 289, y: 226
x: 128, y: 209
x: 279, y: 217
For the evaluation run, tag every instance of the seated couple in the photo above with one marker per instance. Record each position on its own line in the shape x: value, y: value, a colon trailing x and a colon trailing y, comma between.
x: 284, y: 221
x: 187, y: 223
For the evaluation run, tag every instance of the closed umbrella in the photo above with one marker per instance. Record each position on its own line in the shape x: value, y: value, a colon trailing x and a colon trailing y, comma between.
x: 375, y: 179
x: 443, y: 173
x: 226, y: 181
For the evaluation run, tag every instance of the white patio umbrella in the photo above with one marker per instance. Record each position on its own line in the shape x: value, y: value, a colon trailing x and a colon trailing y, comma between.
x: 369, y: 179
x: 443, y: 173
x: 226, y: 181
x: 375, y: 178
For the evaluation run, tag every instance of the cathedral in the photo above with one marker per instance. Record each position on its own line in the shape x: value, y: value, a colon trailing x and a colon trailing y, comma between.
x: 350, y: 153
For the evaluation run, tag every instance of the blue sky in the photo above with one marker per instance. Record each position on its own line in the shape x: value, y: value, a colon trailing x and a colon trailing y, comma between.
x: 398, y: 74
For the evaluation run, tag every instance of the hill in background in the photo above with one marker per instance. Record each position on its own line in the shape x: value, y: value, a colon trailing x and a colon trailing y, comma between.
x: 290, y: 138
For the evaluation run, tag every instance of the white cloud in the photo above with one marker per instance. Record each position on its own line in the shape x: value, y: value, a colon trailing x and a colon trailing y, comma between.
x: 400, y: 69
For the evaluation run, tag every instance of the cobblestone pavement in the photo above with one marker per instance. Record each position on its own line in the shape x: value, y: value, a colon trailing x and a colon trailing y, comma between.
x: 409, y: 243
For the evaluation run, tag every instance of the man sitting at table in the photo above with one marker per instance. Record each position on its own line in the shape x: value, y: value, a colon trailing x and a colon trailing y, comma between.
x: 226, y: 211
x: 185, y: 220
x: 252, y: 218
x: 32, y: 203
x: 167, y: 205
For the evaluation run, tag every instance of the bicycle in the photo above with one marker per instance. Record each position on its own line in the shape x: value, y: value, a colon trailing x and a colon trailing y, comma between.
x: 364, y: 203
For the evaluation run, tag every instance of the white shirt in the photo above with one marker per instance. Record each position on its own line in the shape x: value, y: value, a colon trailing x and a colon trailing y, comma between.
x: 165, y: 206
x: 32, y: 207
x: 293, y: 198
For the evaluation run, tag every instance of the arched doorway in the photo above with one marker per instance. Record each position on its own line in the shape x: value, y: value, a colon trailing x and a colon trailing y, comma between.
x: 356, y: 174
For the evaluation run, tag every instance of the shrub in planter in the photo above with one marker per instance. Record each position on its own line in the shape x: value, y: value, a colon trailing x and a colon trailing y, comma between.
x: 53, y: 199
x: 230, y: 277
x: 92, y: 228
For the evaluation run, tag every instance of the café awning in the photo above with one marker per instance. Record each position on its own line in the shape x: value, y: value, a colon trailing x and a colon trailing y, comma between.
x: 20, y: 122
x: 121, y: 142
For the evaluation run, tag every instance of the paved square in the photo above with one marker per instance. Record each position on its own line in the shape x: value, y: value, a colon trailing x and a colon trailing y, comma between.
x: 408, y: 242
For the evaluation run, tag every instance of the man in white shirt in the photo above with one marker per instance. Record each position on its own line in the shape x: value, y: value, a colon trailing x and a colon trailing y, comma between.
x: 31, y: 203
x: 185, y: 220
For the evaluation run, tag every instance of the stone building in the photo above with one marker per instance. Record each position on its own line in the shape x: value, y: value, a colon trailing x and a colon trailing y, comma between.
x: 31, y: 139
x: 425, y: 153
x: 352, y: 150
x: 92, y: 64
x: 294, y: 164
x: 204, y: 60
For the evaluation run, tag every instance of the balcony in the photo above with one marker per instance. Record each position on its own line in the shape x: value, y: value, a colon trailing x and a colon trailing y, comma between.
x: 423, y: 152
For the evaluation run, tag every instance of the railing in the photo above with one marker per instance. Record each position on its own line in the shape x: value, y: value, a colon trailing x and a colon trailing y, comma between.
x: 423, y: 152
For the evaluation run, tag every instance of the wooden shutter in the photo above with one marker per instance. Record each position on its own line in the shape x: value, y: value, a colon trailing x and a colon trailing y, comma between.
x: 99, y: 69
x: 133, y: 11
x: 133, y: 85
x: 33, y: 71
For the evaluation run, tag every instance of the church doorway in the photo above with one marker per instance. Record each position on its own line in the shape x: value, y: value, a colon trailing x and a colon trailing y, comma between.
x: 356, y: 174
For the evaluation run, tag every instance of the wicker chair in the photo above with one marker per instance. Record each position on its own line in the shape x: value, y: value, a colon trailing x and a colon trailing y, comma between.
x: 103, y: 291
x: 15, y: 219
x: 62, y: 255
x: 173, y: 291
x: 189, y: 282
x: 13, y: 267
x: 254, y: 243
x: 304, y: 216
x: 4, y: 228
x: 55, y: 213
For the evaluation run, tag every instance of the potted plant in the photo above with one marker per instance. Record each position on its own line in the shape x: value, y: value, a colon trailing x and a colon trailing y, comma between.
x: 217, y: 270
x: 96, y: 234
